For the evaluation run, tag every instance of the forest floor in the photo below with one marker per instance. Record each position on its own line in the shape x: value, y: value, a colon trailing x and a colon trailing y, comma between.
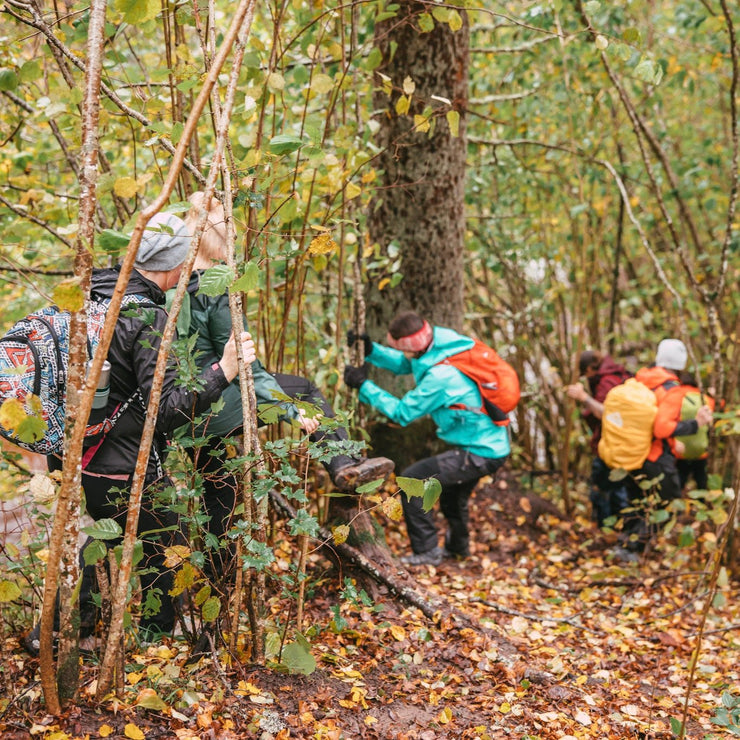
x: 550, y: 638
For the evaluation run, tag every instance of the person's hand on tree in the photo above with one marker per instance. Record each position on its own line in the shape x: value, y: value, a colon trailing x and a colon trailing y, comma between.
x: 307, y: 423
x: 704, y: 416
x: 367, y: 344
x: 354, y: 377
x: 229, y: 363
x: 576, y: 391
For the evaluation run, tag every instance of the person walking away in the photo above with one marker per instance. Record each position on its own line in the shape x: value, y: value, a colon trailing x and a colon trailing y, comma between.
x: 602, y: 374
x: 478, y: 446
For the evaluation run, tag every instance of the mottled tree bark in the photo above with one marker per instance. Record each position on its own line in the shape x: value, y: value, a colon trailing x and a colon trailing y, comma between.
x: 419, y: 203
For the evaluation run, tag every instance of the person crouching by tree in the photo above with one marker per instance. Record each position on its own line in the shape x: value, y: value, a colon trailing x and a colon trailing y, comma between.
x: 107, y: 475
x: 209, y: 318
x: 479, y: 446
x: 602, y: 374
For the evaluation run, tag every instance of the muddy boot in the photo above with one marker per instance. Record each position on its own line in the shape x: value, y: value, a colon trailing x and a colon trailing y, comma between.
x: 359, y: 472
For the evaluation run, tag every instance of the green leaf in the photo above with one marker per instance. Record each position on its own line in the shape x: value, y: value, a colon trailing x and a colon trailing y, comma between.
x: 426, y: 23
x: 94, y: 552
x: 249, y: 279
x: 373, y: 485
x: 676, y: 726
x: 297, y: 657
x: 374, y: 59
x: 411, y: 486
x: 215, y: 281
x: 104, y: 529
x: 31, y: 429
x: 285, y: 144
x: 9, y: 591
x: 453, y: 121
x: 432, y: 492
x: 112, y: 241
x: 686, y: 538
x: 211, y: 609
x: 8, y: 79
x: 136, y: 12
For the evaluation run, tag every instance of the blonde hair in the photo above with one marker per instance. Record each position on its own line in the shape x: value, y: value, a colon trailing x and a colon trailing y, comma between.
x: 213, y: 243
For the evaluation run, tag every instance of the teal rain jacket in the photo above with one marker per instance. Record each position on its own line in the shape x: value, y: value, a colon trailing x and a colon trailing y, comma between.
x: 438, y: 387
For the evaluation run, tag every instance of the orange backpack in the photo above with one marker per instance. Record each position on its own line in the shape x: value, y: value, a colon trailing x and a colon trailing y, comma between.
x: 496, y: 379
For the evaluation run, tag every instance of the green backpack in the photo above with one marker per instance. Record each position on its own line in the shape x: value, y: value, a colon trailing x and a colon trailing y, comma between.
x: 695, y: 444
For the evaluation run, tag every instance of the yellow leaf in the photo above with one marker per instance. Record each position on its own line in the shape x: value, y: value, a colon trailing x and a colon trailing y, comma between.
x: 453, y: 121
x: 409, y: 86
x: 445, y: 716
x: 134, y: 678
x: 421, y: 124
x: 322, y: 244
x: 149, y: 699
x: 105, y: 730
x: 175, y: 555
x: 125, y: 187
x: 68, y: 295
x: 12, y: 413
x: 340, y: 534
x: 398, y: 632
x: 9, y: 591
x: 275, y: 82
x: 392, y: 509
x: 322, y: 83
x: 369, y: 177
x: 455, y: 21
x: 402, y: 105
x: 352, y: 190
x: 505, y: 708
x: 133, y: 732
x: 383, y: 283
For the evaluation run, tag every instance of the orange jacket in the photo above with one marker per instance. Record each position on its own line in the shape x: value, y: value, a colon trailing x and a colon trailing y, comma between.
x: 660, y: 381
x: 669, y: 397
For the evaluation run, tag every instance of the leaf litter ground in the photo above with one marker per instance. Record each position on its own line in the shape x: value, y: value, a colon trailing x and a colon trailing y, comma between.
x: 549, y: 638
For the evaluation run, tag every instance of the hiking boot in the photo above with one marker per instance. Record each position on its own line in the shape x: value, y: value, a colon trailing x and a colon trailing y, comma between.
x: 430, y: 557
x: 350, y: 477
x: 32, y: 641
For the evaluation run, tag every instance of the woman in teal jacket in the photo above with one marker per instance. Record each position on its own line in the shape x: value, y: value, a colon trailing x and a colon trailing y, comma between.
x: 479, y: 447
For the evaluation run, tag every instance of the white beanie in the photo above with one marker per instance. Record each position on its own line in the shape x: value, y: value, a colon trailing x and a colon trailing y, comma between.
x: 672, y: 354
x: 164, y: 244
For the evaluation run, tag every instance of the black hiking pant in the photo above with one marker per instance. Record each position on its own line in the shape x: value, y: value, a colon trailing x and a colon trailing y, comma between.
x: 221, y: 487
x: 458, y: 472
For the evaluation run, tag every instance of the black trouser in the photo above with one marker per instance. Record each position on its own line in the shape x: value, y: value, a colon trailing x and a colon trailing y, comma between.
x: 693, y: 468
x: 608, y: 497
x: 105, y: 502
x: 220, y: 487
x: 458, y: 472
x: 668, y: 488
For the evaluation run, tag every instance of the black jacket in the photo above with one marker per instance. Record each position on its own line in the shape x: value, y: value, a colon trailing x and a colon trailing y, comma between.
x: 133, y: 358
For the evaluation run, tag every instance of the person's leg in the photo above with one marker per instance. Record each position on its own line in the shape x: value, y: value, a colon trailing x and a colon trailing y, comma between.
x: 699, y: 470
x: 420, y: 524
x: 599, y: 492
x: 346, y: 472
x: 459, y: 473
x: 220, y: 488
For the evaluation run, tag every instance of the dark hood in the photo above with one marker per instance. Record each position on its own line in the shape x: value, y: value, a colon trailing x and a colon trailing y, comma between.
x: 104, y: 284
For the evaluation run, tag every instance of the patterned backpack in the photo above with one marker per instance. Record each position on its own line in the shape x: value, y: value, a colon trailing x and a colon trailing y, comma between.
x: 34, y: 356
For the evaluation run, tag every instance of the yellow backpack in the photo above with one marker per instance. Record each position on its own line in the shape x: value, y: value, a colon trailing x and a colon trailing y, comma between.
x: 627, y: 425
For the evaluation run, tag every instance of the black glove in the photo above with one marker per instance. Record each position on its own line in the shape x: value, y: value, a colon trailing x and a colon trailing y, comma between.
x: 367, y: 343
x: 354, y: 377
